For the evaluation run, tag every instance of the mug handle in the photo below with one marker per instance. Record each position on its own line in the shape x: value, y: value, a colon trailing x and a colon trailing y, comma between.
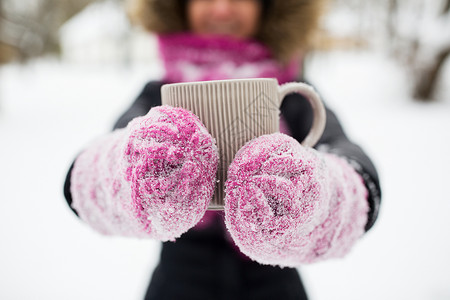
x: 319, y: 117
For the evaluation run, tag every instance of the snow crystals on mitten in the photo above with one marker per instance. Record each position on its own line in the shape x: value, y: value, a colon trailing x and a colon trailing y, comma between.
x: 287, y: 205
x: 154, y: 178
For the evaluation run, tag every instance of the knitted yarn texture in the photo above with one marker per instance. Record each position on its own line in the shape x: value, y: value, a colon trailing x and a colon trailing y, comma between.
x: 153, y: 179
x: 288, y: 205
x: 189, y: 57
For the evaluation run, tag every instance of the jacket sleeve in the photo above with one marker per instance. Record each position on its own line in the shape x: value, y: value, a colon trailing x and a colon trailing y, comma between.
x: 297, y: 112
x: 148, y: 98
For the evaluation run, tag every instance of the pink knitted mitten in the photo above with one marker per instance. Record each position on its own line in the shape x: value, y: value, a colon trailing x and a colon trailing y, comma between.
x: 287, y: 205
x: 154, y: 178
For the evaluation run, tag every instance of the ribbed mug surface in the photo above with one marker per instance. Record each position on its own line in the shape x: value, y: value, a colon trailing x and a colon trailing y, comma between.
x: 233, y: 111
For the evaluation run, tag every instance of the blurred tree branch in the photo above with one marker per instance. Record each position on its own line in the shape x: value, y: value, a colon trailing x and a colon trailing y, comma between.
x: 446, y: 7
x: 426, y: 80
x: 418, y: 34
x: 34, y: 31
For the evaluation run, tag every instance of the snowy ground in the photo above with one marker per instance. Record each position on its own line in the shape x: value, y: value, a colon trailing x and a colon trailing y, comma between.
x: 48, y: 111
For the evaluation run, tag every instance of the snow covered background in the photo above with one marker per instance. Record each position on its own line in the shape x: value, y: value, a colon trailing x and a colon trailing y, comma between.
x: 50, y: 109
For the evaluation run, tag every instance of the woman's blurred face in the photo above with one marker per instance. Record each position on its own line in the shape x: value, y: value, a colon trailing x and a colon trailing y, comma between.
x: 236, y: 18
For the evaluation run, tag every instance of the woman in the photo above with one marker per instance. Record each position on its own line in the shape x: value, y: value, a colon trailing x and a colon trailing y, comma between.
x: 209, y: 40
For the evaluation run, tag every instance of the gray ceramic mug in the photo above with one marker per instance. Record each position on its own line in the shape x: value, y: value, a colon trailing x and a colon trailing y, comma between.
x: 236, y: 111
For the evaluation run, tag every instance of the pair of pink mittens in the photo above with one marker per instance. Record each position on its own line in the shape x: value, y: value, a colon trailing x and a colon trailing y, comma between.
x: 285, y: 204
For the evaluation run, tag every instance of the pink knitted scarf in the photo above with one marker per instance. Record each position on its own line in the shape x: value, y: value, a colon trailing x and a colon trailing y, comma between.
x: 189, y: 57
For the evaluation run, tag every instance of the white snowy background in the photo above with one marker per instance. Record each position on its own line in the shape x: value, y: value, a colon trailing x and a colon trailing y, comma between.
x: 50, y: 109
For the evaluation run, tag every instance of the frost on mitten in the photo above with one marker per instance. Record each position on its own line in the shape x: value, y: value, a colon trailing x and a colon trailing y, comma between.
x: 153, y: 179
x: 287, y: 205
